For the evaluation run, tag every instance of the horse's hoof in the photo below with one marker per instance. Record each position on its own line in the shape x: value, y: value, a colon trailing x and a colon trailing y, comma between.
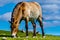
x: 14, y: 36
x: 26, y: 36
x: 44, y: 36
x: 34, y: 36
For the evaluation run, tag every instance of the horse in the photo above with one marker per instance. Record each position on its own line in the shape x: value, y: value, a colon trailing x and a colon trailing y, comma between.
x: 27, y: 11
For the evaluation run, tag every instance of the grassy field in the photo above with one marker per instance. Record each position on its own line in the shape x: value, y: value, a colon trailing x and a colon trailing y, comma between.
x: 21, y: 36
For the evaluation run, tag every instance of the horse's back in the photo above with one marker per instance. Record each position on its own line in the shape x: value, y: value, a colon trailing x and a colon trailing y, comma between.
x: 32, y: 9
x: 29, y: 9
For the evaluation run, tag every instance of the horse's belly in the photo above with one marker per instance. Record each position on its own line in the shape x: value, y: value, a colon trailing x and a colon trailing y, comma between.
x: 34, y: 15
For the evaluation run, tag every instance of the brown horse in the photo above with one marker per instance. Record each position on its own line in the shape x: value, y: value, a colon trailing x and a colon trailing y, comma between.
x: 28, y: 11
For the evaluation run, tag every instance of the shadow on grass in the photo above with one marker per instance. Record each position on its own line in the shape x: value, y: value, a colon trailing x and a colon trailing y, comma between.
x: 5, y: 36
x: 10, y: 36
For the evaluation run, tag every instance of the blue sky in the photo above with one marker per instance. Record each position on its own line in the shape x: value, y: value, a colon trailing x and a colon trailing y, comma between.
x: 51, y: 15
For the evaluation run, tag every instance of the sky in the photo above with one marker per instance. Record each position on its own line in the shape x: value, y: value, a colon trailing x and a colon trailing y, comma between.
x: 50, y: 11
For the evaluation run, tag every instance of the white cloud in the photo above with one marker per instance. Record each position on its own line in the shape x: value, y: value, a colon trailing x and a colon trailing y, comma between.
x: 6, y: 16
x: 51, y: 8
x: 52, y: 1
x: 4, y: 2
x: 51, y: 24
x: 51, y: 12
x: 16, y: 1
x: 52, y: 17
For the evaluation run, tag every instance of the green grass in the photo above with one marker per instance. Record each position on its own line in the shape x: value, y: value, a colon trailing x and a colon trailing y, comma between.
x: 21, y: 36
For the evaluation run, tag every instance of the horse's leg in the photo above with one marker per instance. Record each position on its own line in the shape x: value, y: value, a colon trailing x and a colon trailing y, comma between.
x: 34, y: 29
x: 41, y: 25
x: 26, y: 26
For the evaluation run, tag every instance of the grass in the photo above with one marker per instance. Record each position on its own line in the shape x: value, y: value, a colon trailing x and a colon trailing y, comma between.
x: 21, y: 36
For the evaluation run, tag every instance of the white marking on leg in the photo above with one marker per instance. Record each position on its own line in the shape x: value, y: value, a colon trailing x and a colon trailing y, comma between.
x: 44, y: 36
x: 14, y: 35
